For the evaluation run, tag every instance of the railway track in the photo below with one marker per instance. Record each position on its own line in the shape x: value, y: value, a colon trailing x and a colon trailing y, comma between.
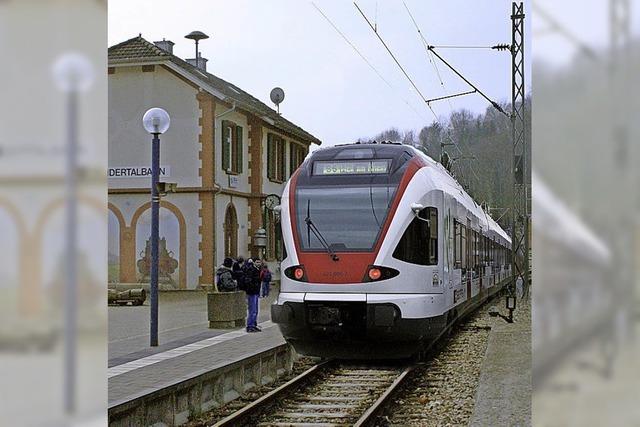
x: 330, y: 394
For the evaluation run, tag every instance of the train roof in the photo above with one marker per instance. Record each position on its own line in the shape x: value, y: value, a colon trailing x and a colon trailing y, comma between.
x: 441, y: 178
x: 554, y: 220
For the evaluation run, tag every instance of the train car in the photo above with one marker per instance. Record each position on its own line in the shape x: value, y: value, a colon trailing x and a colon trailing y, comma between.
x: 383, y: 250
x: 575, y: 303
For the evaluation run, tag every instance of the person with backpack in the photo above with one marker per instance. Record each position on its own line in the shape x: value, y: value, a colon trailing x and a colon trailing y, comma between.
x: 224, y: 277
x: 251, y: 277
x: 237, y: 274
x: 265, y: 280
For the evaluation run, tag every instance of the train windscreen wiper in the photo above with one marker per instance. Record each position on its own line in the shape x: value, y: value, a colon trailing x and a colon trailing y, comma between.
x: 311, y: 228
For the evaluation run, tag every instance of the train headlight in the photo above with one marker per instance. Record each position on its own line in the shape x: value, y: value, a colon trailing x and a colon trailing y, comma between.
x: 436, y: 280
x: 375, y: 273
x: 296, y: 272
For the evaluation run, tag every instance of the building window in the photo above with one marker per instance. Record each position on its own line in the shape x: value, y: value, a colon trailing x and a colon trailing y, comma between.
x: 231, y: 232
x: 297, y: 153
x: 419, y: 243
x: 275, y: 158
x: 232, y: 144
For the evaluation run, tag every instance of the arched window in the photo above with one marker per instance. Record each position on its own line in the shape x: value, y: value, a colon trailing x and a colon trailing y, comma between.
x: 231, y: 232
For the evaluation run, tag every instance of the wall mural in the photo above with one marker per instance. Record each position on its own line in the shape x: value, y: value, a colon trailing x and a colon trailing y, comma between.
x: 169, y: 248
x: 9, y: 269
x: 113, y: 254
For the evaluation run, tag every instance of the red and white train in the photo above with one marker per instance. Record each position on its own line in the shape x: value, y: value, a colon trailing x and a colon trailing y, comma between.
x: 383, y: 250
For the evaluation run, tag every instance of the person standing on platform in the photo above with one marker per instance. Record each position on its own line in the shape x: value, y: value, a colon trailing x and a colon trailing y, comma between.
x: 265, y: 280
x: 224, y: 277
x: 252, y: 289
x: 237, y: 272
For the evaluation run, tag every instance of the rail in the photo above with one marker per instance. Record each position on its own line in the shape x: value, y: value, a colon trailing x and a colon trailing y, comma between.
x: 329, y: 393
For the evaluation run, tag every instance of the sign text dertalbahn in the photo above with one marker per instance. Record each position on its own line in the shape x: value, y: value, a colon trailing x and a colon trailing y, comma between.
x: 136, y: 172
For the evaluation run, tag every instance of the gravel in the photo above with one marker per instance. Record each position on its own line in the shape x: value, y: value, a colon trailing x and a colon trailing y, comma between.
x: 442, y: 392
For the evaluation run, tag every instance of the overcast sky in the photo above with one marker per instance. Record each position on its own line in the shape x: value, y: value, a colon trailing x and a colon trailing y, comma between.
x: 330, y: 90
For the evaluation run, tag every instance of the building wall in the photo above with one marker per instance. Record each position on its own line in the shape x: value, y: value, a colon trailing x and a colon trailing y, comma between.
x: 131, y: 93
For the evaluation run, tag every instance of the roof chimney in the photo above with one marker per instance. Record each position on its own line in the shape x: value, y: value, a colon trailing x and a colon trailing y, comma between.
x: 166, y: 45
x: 201, y: 63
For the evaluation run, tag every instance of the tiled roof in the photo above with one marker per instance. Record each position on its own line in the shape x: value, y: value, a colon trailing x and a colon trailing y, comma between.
x: 137, y: 50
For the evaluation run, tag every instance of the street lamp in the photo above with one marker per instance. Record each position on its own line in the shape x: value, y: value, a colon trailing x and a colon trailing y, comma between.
x: 155, y: 121
x: 73, y: 73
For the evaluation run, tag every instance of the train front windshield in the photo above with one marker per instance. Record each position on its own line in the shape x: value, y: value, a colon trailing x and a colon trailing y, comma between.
x: 349, y: 218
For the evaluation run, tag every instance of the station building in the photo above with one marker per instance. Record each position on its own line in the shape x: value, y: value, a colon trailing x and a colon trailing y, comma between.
x: 225, y: 150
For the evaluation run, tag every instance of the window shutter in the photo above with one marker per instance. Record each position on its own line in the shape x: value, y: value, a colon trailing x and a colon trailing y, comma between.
x: 282, y: 159
x: 271, y: 157
x: 226, y: 148
x: 239, y: 149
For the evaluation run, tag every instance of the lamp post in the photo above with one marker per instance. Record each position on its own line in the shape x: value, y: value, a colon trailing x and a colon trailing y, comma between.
x: 73, y: 73
x: 260, y: 241
x: 155, y: 121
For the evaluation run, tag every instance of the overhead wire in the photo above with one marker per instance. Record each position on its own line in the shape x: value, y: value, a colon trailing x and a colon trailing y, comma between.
x: 428, y: 52
x: 364, y: 58
x: 447, y: 97
x: 390, y: 53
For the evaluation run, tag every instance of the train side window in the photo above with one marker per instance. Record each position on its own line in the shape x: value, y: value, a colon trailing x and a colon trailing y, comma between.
x: 463, y: 235
x: 419, y: 243
x: 457, y: 244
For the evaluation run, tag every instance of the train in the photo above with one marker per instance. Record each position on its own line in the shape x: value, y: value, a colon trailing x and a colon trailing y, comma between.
x: 576, y: 303
x: 383, y: 251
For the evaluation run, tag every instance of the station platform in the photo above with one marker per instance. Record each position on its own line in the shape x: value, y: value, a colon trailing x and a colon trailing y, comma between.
x: 503, y: 396
x: 198, y: 369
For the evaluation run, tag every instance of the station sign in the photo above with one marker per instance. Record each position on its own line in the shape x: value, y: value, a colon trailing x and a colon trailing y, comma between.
x: 136, y: 171
x: 351, y: 167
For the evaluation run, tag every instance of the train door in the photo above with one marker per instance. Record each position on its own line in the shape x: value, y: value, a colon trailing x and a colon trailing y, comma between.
x: 451, y: 277
x: 469, y: 258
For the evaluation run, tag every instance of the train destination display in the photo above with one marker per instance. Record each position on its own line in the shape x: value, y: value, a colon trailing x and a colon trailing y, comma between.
x: 353, y: 167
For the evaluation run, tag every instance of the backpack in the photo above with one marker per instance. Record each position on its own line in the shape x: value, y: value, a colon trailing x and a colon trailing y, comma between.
x: 267, y: 277
x: 225, y: 281
x: 251, y: 278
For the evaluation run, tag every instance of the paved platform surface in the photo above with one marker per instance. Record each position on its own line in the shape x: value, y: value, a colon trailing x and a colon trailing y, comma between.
x: 145, y: 375
x: 188, y: 348
x: 182, y: 319
x: 503, y: 397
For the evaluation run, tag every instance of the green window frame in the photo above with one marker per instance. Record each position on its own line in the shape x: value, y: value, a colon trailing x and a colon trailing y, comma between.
x: 232, y: 147
x: 276, y: 158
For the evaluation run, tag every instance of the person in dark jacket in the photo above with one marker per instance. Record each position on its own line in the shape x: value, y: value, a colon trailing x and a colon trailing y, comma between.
x: 237, y: 272
x: 252, y: 288
x: 224, y: 277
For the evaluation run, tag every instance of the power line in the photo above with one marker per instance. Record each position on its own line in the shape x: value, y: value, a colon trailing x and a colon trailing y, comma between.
x: 344, y: 37
x: 492, y: 102
x: 447, y: 97
x: 556, y: 26
x: 462, y: 47
x: 428, y: 53
x: 390, y: 53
